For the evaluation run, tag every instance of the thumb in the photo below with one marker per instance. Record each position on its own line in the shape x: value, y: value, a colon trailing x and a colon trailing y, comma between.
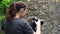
x: 38, y: 22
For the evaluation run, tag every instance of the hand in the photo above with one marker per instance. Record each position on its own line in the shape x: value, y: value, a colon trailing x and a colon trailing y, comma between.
x: 38, y: 23
x: 38, y: 31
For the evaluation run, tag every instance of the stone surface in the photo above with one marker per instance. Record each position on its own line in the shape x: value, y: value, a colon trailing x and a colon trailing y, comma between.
x: 49, y: 11
x: 58, y: 17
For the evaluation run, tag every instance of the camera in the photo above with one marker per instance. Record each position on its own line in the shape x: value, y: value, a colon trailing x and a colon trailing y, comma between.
x: 33, y: 23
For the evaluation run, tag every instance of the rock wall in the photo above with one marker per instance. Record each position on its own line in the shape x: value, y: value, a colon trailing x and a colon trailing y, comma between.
x: 58, y: 17
x: 46, y: 10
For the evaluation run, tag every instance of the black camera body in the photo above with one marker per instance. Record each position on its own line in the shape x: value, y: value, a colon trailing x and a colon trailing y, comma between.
x: 33, y: 24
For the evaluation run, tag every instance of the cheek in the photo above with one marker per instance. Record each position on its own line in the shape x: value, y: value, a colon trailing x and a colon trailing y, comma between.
x: 24, y: 12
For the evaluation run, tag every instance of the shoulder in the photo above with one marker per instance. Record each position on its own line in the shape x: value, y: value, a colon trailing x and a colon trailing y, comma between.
x: 20, y: 21
x: 25, y: 23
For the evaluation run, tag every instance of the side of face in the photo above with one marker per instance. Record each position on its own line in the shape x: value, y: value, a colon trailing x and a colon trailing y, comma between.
x: 22, y: 12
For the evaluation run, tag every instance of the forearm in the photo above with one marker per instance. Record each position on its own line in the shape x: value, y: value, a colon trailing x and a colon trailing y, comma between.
x: 38, y: 31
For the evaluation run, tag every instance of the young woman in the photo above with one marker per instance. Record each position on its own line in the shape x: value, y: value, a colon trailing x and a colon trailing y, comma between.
x: 14, y: 23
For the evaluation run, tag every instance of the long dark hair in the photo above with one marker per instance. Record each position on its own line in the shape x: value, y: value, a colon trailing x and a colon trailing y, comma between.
x: 13, y: 9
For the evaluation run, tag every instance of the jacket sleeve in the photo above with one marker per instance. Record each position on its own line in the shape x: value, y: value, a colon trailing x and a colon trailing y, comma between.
x: 27, y: 28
